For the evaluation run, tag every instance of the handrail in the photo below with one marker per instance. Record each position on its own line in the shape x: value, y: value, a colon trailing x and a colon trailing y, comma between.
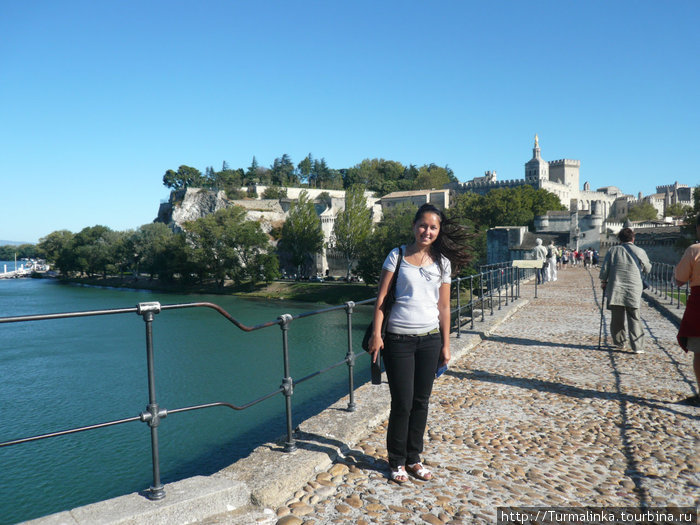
x: 663, y: 283
x: 485, y: 289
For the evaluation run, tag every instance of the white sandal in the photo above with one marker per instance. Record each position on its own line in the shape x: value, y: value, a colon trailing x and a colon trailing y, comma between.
x: 419, y: 471
x: 399, y: 475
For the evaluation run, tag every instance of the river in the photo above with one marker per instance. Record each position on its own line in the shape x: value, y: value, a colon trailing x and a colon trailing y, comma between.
x: 62, y: 374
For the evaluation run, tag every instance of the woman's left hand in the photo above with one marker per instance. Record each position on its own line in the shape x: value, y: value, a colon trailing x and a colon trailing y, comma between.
x: 445, y: 355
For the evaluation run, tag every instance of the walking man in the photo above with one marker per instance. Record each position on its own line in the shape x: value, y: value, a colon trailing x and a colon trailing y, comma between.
x: 621, y: 279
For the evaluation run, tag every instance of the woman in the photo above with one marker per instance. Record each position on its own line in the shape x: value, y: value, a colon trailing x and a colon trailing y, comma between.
x: 688, y: 271
x: 417, y: 336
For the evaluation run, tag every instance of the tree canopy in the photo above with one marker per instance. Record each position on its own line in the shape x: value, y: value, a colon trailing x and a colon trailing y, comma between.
x: 352, y: 226
x: 302, y: 236
x: 377, y: 175
x: 642, y: 211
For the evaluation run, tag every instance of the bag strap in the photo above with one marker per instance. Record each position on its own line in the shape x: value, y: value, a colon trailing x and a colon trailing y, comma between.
x: 391, y: 294
x: 635, y: 259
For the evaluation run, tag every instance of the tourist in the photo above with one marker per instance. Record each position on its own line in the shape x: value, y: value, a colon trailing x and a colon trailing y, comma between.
x: 559, y: 253
x: 621, y: 280
x: 551, y: 262
x: 565, y: 258
x: 579, y: 258
x: 540, y: 254
x: 688, y: 271
x: 417, y: 339
x: 596, y: 258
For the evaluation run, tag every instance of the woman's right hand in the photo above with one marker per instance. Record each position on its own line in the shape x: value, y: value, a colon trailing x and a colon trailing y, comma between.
x: 375, y: 345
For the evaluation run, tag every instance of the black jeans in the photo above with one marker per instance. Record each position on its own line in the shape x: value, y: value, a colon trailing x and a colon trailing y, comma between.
x: 410, y: 364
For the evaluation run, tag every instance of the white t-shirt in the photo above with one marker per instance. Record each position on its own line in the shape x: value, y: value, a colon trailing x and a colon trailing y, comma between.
x: 417, y: 291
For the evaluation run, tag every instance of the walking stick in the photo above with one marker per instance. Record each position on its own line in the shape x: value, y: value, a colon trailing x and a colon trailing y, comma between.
x: 602, y: 320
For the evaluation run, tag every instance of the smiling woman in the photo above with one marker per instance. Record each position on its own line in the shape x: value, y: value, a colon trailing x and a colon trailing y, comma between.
x: 417, y: 340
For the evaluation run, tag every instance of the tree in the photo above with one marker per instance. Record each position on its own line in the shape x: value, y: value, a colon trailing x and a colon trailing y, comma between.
x: 352, y: 226
x: 304, y: 168
x: 149, y: 246
x: 225, y: 244
x: 643, y: 211
x: 282, y: 172
x: 94, y: 248
x: 302, y: 236
x: 184, y: 177
x: 57, y: 249
x: 506, y: 206
x: 383, y: 176
x: 433, y: 177
x: 394, y: 230
x: 677, y: 210
x: 274, y: 192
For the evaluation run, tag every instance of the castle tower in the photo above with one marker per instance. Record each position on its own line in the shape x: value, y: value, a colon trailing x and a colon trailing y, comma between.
x: 536, y: 169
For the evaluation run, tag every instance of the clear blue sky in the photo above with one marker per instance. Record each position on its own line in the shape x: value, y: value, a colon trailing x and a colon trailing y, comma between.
x: 99, y: 99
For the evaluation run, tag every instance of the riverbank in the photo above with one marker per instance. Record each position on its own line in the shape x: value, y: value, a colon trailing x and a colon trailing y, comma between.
x: 328, y: 292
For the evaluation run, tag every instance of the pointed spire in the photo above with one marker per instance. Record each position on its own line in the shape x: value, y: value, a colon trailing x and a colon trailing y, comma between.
x: 536, y: 149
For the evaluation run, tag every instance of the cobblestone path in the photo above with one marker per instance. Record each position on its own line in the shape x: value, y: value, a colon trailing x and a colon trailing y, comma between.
x: 535, y: 415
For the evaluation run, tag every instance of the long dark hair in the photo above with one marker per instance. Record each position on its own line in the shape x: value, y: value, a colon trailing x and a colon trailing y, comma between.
x: 452, y: 242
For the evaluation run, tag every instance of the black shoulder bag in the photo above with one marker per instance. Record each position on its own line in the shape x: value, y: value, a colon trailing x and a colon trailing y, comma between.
x: 388, y: 303
x: 645, y: 284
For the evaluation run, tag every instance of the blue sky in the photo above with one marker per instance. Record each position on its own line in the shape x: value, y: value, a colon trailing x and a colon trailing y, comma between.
x: 99, y: 99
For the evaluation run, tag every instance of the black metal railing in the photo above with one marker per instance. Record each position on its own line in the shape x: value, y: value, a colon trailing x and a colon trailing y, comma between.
x: 494, y: 288
x: 663, y: 284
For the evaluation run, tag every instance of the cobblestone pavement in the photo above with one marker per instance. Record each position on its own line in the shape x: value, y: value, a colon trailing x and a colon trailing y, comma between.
x: 535, y: 415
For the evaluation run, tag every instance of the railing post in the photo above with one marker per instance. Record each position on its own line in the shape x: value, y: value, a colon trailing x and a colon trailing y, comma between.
x: 491, y: 289
x: 483, y: 299
x: 350, y: 358
x: 153, y: 414
x: 459, y: 308
x: 500, y: 284
x: 471, y: 299
x: 287, y: 382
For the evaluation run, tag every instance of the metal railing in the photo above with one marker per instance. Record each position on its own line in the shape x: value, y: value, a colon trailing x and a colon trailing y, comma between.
x: 497, y: 284
x: 491, y: 289
x: 663, y: 284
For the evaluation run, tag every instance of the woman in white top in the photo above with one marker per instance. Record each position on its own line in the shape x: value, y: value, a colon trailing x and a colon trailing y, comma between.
x: 417, y: 338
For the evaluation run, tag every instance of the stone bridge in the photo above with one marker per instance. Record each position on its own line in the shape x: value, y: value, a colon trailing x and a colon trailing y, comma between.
x: 532, y: 412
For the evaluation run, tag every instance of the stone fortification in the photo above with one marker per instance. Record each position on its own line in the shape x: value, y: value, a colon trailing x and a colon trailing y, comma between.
x: 194, y: 203
x: 190, y: 204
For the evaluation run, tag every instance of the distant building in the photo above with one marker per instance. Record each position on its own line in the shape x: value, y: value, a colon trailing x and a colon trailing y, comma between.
x: 560, y: 177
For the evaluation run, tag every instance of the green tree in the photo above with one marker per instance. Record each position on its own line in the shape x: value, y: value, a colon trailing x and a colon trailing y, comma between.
x: 94, y: 250
x: 8, y: 252
x: 274, y: 192
x: 506, y: 206
x: 283, y: 173
x: 149, y: 246
x: 643, y: 211
x: 57, y: 249
x: 304, y: 168
x: 382, y: 176
x: 677, y: 210
x: 225, y: 244
x: 395, y: 229
x: 433, y: 177
x: 302, y: 236
x: 352, y: 226
x: 184, y: 177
